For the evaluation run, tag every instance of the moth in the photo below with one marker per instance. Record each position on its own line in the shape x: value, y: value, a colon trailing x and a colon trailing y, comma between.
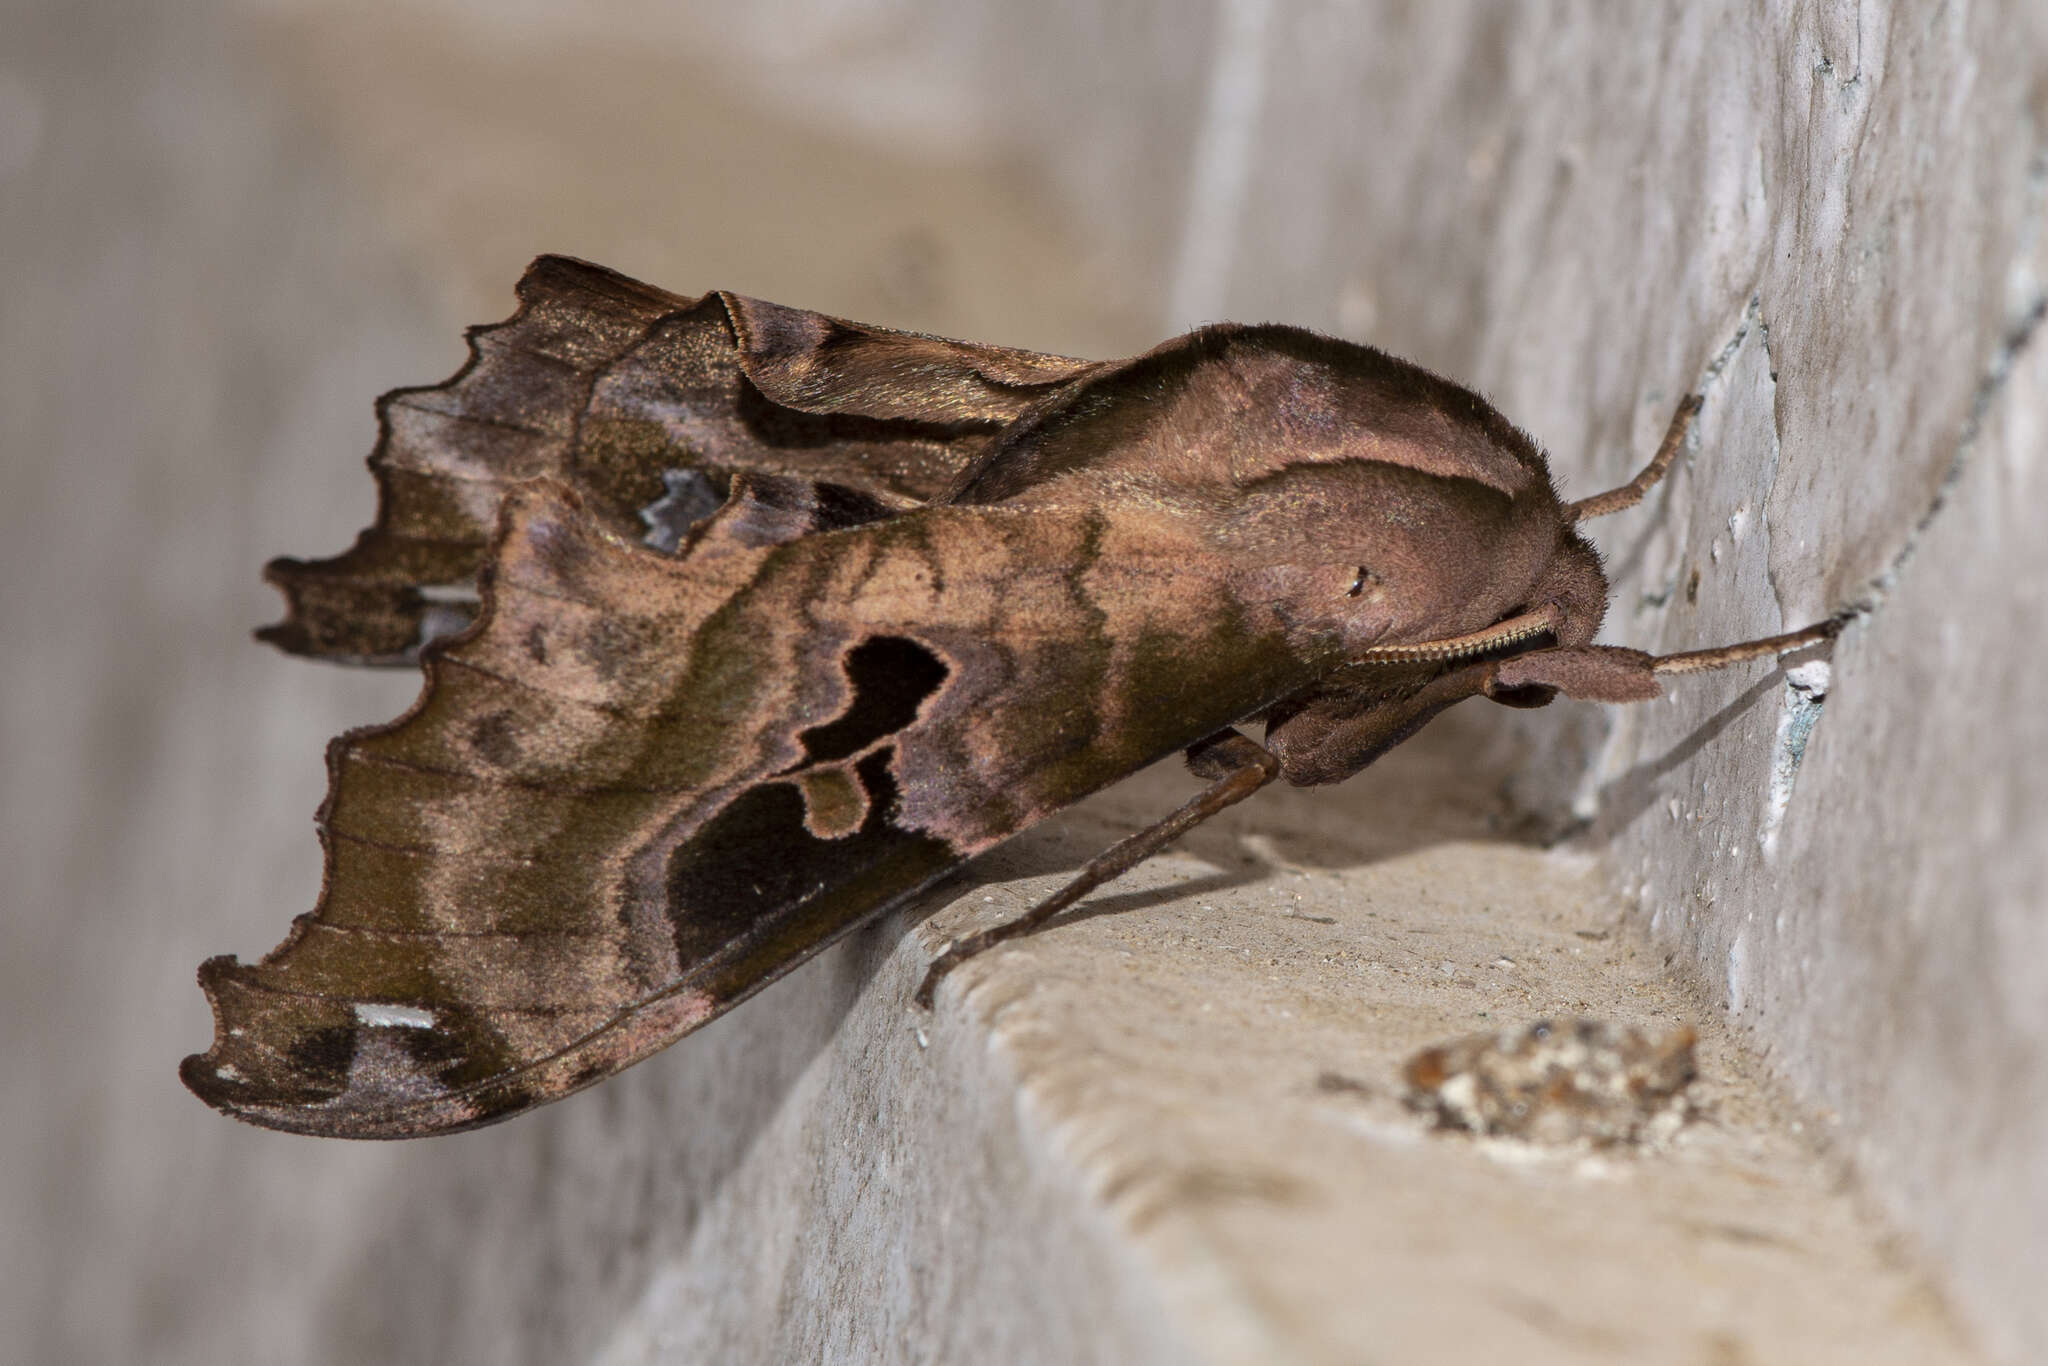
x: 742, y: 625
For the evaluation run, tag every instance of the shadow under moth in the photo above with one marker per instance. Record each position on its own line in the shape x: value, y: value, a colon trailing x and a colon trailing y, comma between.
x: 742, y: 625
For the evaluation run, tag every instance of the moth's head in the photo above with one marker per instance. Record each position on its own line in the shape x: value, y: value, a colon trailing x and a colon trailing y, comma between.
x: 1576, y: 585
x: 1574, y: 588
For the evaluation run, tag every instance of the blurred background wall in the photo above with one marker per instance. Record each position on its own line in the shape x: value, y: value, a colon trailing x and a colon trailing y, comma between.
x: 225, y: 226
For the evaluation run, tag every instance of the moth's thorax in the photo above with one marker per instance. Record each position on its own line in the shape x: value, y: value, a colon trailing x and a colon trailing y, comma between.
x: 1353, y: 499
x: 1226, y: 407
x: 1375, y: 554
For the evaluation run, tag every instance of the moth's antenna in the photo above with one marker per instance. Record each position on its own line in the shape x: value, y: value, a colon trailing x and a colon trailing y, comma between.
x: 1631, y: 493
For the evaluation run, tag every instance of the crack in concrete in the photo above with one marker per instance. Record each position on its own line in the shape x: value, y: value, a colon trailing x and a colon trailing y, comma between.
x: 1825, y: 67
x: 2027, y: 305
x: 1624, y: 567
x: 1752, y: 316
x: 1770, y: 482
x: 1806, y: 685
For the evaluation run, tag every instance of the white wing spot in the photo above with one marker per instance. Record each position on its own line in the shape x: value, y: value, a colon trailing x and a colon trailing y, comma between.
x: 378, y: 1016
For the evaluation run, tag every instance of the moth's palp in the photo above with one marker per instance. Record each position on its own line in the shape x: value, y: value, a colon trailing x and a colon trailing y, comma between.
x: 1526, y: 626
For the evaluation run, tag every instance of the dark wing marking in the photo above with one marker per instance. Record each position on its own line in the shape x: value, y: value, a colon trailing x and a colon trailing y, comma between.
x: 644, y: 785
x: 617, y: 389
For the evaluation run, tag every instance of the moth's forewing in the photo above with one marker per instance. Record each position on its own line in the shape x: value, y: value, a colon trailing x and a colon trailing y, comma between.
x: 644, y: 786
x: 609, y: 385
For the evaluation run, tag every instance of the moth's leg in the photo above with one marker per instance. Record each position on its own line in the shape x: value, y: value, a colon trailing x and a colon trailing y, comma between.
x: 1335, y: 736
x: 1239, y: 767
x: 1720, y: 657
x: 1609, y: 673
x: 1631, y: 493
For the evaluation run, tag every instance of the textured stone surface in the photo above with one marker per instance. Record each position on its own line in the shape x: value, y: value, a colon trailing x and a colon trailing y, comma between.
x: 223, y: 232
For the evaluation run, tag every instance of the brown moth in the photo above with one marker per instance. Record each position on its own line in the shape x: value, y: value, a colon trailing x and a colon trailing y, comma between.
x: 741, y: 625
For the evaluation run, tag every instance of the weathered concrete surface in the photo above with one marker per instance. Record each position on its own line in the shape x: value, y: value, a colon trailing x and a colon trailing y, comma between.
x: 222, y: 231
x: 1863, y: 183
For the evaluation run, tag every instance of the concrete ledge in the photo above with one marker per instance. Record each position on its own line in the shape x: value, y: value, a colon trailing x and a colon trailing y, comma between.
x: 1172, y: 1056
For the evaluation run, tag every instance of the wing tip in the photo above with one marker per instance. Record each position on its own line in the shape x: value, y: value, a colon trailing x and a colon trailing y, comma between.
x: 348, y: 1080
x: 350, y: 1114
